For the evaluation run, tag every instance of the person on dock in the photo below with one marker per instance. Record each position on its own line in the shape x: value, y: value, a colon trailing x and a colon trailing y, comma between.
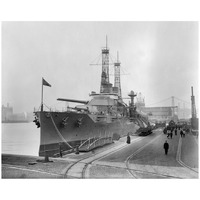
x: 181, y: 133
x: 171, y: 133
x: 128, y: 141
x: 168, y: 133
x: 166, y: 147
x: 175, y: 131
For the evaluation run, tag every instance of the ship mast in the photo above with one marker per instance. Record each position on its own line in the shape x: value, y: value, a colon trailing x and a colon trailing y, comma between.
x: 105, y: 67
x: 117, y: 82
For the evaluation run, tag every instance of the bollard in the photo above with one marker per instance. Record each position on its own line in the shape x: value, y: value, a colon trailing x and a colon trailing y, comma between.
x: 60, y: 149
x: 46, y: 157
x: 77, y: 150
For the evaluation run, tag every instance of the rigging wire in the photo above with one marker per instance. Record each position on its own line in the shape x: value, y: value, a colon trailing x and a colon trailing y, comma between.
x: 96, y: 63
x: 111, y: 58
x: 99, y: 58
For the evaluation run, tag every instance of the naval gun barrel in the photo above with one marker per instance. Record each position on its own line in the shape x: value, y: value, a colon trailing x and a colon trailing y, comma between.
x: 73, y: 100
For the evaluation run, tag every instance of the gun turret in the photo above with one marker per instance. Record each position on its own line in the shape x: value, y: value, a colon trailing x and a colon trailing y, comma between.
x: 73, y: 100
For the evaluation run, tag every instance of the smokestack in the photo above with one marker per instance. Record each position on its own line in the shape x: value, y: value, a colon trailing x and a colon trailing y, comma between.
x: 192, y: 90
x: 193, y: 108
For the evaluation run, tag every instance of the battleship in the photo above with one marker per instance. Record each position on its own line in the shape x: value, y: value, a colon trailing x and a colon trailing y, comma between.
x: 92, y: 123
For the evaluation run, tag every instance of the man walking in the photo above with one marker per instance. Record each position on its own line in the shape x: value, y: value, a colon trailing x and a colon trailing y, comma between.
x: 181, y: 133
x: 166, y: 147
x: 171, y: 134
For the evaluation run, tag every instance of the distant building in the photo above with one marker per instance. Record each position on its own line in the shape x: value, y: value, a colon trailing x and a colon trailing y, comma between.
x: 184, y: 113
x: 7, y: 112
x: 140, y: 101
x: 155, y: 114
x: 9, y: 117
x: 160, y: 114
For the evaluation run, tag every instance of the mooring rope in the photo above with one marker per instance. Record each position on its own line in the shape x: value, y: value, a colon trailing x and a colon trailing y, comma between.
x: 58, y: 132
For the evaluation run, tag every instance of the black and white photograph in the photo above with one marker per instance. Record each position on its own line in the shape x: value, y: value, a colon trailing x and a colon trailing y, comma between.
x: 100, y: 100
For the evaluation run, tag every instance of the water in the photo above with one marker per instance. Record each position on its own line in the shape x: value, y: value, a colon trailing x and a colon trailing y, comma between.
x: 20, y: 138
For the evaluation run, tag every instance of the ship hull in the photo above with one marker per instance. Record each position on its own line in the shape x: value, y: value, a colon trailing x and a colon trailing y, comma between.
x: 67, y: 130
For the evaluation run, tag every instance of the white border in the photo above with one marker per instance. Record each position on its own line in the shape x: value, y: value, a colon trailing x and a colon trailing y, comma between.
x: 88, y: 10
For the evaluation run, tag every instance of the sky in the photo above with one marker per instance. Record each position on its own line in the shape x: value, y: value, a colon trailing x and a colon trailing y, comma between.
x: 158, y: 59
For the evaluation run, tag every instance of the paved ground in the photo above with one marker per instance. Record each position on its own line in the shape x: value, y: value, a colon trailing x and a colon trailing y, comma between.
x: 14, y: 166
x: 143, y: 158
x: 151, y: 162
x: 189, y: 151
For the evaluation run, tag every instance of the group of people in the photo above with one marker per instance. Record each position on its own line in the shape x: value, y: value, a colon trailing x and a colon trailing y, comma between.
x: 170, y: 134
x: 182, y: 133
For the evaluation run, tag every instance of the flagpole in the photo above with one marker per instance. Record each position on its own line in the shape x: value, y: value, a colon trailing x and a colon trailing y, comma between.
x: 42, y: 97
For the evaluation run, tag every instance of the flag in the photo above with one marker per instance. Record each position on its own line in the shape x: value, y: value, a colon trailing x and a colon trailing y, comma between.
x: 45, y: 83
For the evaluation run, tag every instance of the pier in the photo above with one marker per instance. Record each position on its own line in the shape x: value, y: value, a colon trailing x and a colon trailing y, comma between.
x: 144, y: 158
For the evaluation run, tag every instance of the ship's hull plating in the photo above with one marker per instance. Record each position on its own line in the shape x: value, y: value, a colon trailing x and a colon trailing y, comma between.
x: 66, y: 130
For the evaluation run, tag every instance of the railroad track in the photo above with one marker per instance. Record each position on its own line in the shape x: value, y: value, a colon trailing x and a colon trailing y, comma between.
x: 79, y: 167
x: 131, y: 171
x: 142, y: 172
x: 83, y: 164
